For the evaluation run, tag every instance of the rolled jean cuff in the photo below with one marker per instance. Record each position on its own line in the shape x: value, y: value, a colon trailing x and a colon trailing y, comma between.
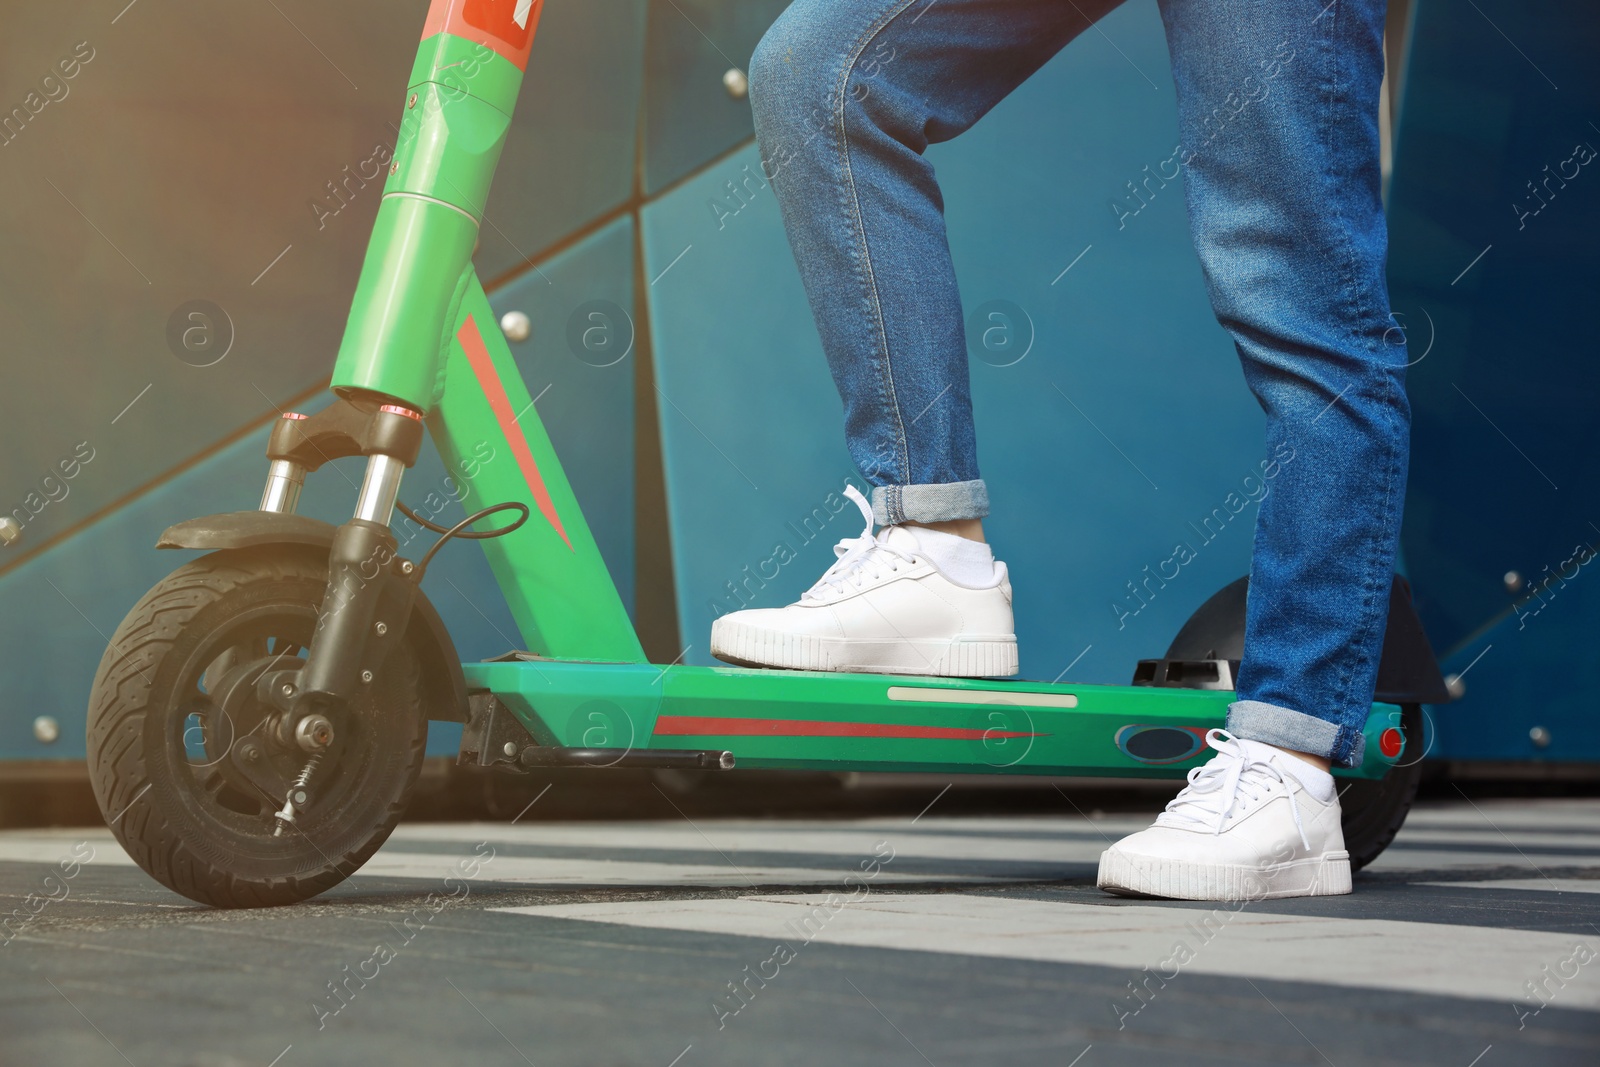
x: 941, y: 502
x: 1272, y: 725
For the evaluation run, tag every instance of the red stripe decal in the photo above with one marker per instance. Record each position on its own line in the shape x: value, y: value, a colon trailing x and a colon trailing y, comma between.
x: 718, y: 726
x: 507, y: 26
x: 483, y: 366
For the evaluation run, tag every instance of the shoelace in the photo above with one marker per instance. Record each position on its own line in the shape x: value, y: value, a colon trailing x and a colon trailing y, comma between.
x: 859, y: 558
x: 1214, y: 788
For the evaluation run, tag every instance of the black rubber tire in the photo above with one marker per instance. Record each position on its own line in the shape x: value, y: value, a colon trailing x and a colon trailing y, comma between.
x: 1372, y: 811
x: 183, y: 833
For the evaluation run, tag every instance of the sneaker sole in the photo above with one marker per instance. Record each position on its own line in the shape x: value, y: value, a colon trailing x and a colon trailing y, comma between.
x: 962, y: 657
x: 1145, y: 876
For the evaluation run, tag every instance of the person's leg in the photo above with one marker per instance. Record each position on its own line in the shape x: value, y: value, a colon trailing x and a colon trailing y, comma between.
x: 847, y: 96
x: 1285, y: 205
x: 1277, y: 108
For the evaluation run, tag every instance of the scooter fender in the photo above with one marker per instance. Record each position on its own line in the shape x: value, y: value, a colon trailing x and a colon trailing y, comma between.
x: 444, y: 687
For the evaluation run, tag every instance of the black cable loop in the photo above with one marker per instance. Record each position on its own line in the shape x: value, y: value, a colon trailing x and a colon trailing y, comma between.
x: 460, y: 529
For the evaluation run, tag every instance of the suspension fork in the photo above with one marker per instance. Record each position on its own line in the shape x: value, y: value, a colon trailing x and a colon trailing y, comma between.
x: 363, y: 565
x: 370, y: 589
x: 337, y: 663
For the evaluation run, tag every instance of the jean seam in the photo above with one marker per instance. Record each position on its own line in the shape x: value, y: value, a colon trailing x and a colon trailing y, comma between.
x: 1358, y: 307
x: 853, y: 205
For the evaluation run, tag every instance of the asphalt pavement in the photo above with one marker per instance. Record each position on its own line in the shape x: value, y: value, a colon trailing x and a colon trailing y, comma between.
x: 907, y: 940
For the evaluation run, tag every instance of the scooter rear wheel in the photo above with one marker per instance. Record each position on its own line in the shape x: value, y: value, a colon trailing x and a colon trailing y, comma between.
x: 178, y: 754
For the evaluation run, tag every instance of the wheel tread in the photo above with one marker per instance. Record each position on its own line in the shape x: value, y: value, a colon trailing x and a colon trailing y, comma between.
x: 117, y: 720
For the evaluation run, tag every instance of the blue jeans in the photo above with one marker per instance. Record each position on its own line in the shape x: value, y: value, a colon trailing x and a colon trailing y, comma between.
x: 1288, y: 223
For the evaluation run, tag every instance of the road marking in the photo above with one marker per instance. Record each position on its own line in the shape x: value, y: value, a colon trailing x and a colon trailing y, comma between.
x: 1462, y: 961
x: 932, y: 840
x: 1543, y: 885
x: 539, y: 870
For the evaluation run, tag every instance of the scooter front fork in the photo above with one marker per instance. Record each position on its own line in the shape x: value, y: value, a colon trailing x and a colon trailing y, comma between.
x: 364, y: 610
x: 368, y: 598
x: 285, y: 479
x: 364, y: 571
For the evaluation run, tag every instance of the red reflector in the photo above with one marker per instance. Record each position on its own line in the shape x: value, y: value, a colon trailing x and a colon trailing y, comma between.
x: 1390, y: 742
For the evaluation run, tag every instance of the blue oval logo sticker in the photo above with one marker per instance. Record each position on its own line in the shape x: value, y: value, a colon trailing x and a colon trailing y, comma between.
x: 1160, y: 744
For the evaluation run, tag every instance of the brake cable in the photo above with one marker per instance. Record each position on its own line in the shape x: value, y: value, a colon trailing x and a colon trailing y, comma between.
x: 460, y: 529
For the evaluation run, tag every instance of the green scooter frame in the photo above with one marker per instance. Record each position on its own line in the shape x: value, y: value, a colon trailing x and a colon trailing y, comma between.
x: 422, y: 344
x: 592, y: 688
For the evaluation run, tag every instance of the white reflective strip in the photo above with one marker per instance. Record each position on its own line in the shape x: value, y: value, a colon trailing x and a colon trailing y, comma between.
x: 983, y: 696
x: 521, y: 16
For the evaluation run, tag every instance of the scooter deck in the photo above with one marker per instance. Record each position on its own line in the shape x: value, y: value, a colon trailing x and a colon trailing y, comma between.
x: 839, y: 722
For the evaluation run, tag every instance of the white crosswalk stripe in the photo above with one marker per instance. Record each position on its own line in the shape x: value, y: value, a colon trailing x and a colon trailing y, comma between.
x: 1462, y: 961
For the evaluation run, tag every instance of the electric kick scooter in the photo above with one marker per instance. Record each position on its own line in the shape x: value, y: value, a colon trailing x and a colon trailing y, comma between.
x: 259, y: 717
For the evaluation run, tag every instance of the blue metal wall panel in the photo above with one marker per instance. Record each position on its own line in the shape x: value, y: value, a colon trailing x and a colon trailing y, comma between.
x: 1088, y: 491
x: 578, y: 364
x: 216, y: 152
x: 1493, y: 216
x: 689, y: 116
x: 1529, y: 674
x: 62, y: 606
x: 569, y: 157
x: 181, y: 163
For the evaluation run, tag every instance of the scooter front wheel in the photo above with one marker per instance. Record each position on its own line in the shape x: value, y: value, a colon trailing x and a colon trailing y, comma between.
x: 183, y: 757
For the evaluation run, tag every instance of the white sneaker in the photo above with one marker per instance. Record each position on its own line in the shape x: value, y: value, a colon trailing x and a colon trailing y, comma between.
x: 884, y: 607
x: 1245, y: 828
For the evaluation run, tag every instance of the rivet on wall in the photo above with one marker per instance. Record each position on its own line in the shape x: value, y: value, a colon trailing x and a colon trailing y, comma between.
x: 516, y: 326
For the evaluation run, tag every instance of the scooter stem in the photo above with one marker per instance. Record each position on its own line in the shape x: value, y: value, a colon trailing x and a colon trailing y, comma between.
x: 459, y: 100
